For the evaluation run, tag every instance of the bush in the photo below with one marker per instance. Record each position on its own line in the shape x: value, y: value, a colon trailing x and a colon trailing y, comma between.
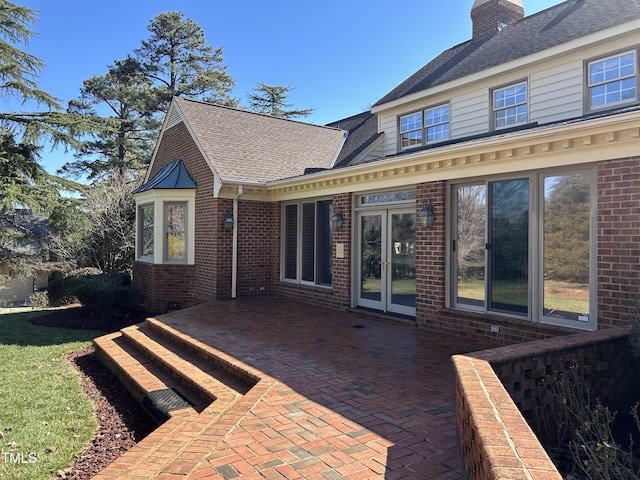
x: 37, y: 300
x: 109, y: 294
x: 59, y: 288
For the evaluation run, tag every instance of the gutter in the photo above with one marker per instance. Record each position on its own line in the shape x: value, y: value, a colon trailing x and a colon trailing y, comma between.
x: 234, y: 254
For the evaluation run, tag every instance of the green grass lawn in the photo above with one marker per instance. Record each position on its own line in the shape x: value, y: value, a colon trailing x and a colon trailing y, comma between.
x: 570, y: 297
x: 45, y: 418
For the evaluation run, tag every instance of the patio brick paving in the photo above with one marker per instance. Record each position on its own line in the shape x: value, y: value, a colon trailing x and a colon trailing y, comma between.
x: 349, y: 396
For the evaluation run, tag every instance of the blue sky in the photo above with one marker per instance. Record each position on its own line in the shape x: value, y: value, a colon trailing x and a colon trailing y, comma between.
x: 340, y: 56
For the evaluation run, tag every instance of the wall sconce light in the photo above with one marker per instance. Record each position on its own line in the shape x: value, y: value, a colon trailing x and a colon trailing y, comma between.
x: 335, y: 220
x: 427, y: 215
x: 228, y: 220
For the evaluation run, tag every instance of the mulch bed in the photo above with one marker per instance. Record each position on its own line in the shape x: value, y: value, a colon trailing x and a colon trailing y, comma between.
x: 122, y: 421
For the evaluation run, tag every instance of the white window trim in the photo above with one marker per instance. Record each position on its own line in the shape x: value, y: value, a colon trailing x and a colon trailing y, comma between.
x: 139, y: 255
x: 158, y: 198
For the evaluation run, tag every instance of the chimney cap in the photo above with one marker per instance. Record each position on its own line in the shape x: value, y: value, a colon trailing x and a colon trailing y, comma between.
x: 477, y: 3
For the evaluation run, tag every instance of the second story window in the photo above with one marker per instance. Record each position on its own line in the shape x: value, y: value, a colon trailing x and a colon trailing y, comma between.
x: 612, y: 80
x: 415, y: 132
x: 411, y: 130
x: 510, y: 105
x: 436, y: 121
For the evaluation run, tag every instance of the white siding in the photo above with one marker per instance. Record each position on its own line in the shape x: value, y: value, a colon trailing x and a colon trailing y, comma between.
x: 556, y: 93
x: 469, y: 113
x: 389, y: 125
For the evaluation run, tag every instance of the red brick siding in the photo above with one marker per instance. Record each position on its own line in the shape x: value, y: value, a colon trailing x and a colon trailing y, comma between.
x: 160, y: 285
x: 488, y: 16
x: 430, y: 255
x: 618, y: 240
x: 255, y: 248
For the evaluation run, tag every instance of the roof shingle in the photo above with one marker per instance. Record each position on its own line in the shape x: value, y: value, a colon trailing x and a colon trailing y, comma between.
x: 556, y: 25
x: 251, y: 147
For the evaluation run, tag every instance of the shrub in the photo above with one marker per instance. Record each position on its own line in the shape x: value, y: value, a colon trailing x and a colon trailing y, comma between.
x: 108, y: 294
x: 37, y: 300
x: 59, y: 288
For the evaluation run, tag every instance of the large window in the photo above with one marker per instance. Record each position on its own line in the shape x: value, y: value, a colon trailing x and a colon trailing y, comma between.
x: 510, y: 105
x: 430, y: 125
x: 145, y: 227
x: 175, y: 232
x: 524, y: 247
x: 307, y: 242
x: 612, y: 80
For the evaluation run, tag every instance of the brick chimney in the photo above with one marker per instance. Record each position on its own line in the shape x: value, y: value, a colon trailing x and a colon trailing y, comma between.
x: 491, y: 15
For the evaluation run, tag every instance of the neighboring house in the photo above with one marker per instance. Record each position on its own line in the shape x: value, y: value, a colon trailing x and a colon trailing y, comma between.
x: 495, y: 192
x: 31, y: 229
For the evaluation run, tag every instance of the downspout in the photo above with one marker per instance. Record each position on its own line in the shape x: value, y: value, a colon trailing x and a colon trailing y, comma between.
x: 234, y: 254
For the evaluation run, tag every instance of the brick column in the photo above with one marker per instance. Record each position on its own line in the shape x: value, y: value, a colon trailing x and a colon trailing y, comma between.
x: 430, y: 254
x: 341, y: 239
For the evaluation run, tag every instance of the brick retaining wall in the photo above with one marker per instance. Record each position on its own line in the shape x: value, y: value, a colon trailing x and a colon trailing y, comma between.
x: 501, y: 392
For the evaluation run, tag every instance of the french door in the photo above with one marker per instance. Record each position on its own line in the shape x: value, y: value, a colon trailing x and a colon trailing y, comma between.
x: 387, y: 260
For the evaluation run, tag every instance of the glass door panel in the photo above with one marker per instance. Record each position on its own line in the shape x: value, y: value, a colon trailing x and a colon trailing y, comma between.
x: 402, y: 263
x: 470, y: 245
x: 371, y: 230
x: 509, y: 246
x: 566, y: 243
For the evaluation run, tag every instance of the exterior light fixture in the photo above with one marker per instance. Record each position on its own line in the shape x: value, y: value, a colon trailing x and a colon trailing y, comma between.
x: 228, y: 220
x: 335, y: 220
x: 427, y: 215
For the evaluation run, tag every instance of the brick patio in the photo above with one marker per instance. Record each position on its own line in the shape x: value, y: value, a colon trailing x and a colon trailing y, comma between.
x: 337, y: 395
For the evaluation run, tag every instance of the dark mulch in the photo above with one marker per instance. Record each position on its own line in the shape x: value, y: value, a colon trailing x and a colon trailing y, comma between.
x: 122, y: 421
x: 81, y: 318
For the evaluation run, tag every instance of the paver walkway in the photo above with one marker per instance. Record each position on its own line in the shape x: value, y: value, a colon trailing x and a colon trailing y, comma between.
x: 350, y: 396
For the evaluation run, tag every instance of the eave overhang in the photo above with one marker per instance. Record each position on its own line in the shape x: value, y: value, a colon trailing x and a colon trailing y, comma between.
x: 583, y: 142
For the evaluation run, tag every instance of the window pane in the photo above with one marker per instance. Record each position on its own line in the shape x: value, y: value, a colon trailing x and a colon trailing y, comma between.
x: 613, y: 80
x: 290, y: 241
x: 567, y: 246
x: 403, y: 259
x: 371, y: 257
x: 308, y: 241
x: 323, y: 243
x: 176, y: 221
x: 510, y: 105
x: 412, y: 138
x: 146, y: 231
x: 509, y: 246
x: 470, y: 245
x: 411, y: 122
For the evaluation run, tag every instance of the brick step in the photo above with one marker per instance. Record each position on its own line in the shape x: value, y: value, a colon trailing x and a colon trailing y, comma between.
x: 183, y: 365
x: 246, y: 376
x: 138, y: 374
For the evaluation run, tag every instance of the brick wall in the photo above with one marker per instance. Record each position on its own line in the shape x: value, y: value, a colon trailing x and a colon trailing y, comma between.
x: 618, y: 240
x: 162, y: 287
x: 488, y: 16
x: 504, y: 404
x: 430, y: 255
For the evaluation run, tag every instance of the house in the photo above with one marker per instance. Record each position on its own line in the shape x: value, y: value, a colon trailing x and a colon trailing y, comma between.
x: 495, y: 193
x: 22, y: 234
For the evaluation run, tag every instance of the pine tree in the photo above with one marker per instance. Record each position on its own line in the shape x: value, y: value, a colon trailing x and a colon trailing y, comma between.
x: 177, y: 59
x: 272, y: 100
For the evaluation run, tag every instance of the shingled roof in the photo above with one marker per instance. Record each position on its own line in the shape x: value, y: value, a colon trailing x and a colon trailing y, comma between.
x: 251, y: 147
x: 362, y: 132
x: 556, y: 25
